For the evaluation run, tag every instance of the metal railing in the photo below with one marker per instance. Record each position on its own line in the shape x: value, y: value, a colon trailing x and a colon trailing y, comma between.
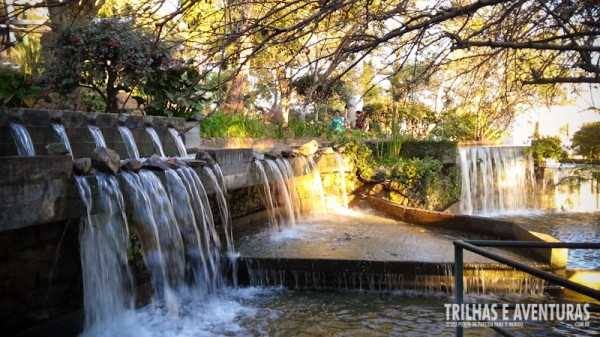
x: 474, y: 246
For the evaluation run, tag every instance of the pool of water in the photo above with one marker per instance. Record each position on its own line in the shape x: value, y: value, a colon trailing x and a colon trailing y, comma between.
x: 280, y: 312
x: 359, y: 235
x: 567, y: 227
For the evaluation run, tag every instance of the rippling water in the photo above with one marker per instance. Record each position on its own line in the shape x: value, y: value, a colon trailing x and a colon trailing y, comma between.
x: 276, y: 312
x: 568, y: 227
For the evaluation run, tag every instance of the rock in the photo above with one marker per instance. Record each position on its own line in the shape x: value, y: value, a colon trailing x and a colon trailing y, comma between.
x: 194, y: 162
x: 106, y: 160
x: 205, y: 157
x: 258, y: 155
x: 58, y: 149
x: 131, y: 165
x: 327, y: 150
x: 155, y: 163
x: 309, y: 148
x: 279, y: 151
x: 82, y: 166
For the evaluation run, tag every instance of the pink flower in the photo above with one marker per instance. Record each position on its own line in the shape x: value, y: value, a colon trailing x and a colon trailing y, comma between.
x: 113, y: 42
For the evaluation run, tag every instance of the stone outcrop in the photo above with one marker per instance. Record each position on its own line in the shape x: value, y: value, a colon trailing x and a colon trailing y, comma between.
x: 106, y: 160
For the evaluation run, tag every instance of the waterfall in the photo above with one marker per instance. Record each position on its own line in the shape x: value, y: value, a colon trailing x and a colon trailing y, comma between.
x: 267, y: 196
x: 107, y: 281
x: 201, y: 255
x: 132, y: 149
x: 156, y: 141
x: 494, y: 179
x: 179, y: 142
x: 97, y: 135
x: 288, y: 173
x: 62, y: 133
x: 317, y: 194
x: 283, y: 194
x: 223, y: 208
x: 220, y: 177
x: 154, y: 221
x: 22, y: 140
x: 342, y: 174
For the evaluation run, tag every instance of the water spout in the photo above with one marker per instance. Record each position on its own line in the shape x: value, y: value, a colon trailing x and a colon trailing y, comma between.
x: 97, y: 135
x: 156, y: 141
x: 179, y: 142
x: 22, y: 140
x: 130, y: 144
x: 107, y: 280
x: 62, y: 133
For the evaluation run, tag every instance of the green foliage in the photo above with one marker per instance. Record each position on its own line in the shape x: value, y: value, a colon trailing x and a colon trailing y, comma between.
x: 422, y: 182
x: 16, y: 90
x: 455, y: 126
x: 306, y: 129
x: 28, y: 55
x: 416, y: 148
x: 546, y: 147
x: 93, y: 102
x: 587, y: 140
x: 414, y: 178
x: 361, y: 156
x: 220, y: 125
x: 107, y: 56
x: 323, y: 90
x: 174, y: 90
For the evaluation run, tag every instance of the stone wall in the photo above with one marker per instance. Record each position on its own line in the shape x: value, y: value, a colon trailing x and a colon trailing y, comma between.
x: 40, y: 275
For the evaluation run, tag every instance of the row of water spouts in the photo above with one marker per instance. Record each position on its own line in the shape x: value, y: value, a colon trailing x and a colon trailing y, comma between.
x: 25, y: 145
x: 172, y: 220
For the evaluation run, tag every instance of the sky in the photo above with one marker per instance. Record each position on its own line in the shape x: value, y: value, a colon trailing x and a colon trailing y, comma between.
x: 552, y: 119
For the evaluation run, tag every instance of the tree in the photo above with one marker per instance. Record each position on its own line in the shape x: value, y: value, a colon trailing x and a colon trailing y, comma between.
x: 587, y: 140
x: 106, y: 56
x: 546, y: 147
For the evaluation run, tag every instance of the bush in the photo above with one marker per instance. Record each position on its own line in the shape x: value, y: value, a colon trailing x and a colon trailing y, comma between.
x: 587, y: 140
x: 16, y: 90
x: 239, y: 126
x: 546, y: 147
x: 107, y: 56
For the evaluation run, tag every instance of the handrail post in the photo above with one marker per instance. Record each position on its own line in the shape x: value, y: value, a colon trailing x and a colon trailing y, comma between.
x: 458, y: 283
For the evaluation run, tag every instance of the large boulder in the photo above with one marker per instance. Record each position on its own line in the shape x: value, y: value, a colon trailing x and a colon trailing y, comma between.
x: 131, y: 165
x: 206, y: 157
x: 106, y: 160
x: 309, y: 148
x: 155, y: 163
x: 82, y: 166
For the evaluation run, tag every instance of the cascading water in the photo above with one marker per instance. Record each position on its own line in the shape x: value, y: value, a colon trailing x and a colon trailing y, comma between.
x: 275, y: 220
x: 154, y: 221
x: 156, y: 141
x: 223, y: 208
x: 179, y: 142
x: 62, y: 133
x: 107, y: 281
x: 22, y: 140
x: 317, y: 194
x: 130, y: 144
x: 494, y: 179
x: 288, y: 173
x: 97, y: 135
x: 342, y: 174
x: 282, y: 193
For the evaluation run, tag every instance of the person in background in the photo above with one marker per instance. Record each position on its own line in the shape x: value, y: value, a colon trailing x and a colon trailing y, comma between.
x: 361, y: 122
x: 337, y: 123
